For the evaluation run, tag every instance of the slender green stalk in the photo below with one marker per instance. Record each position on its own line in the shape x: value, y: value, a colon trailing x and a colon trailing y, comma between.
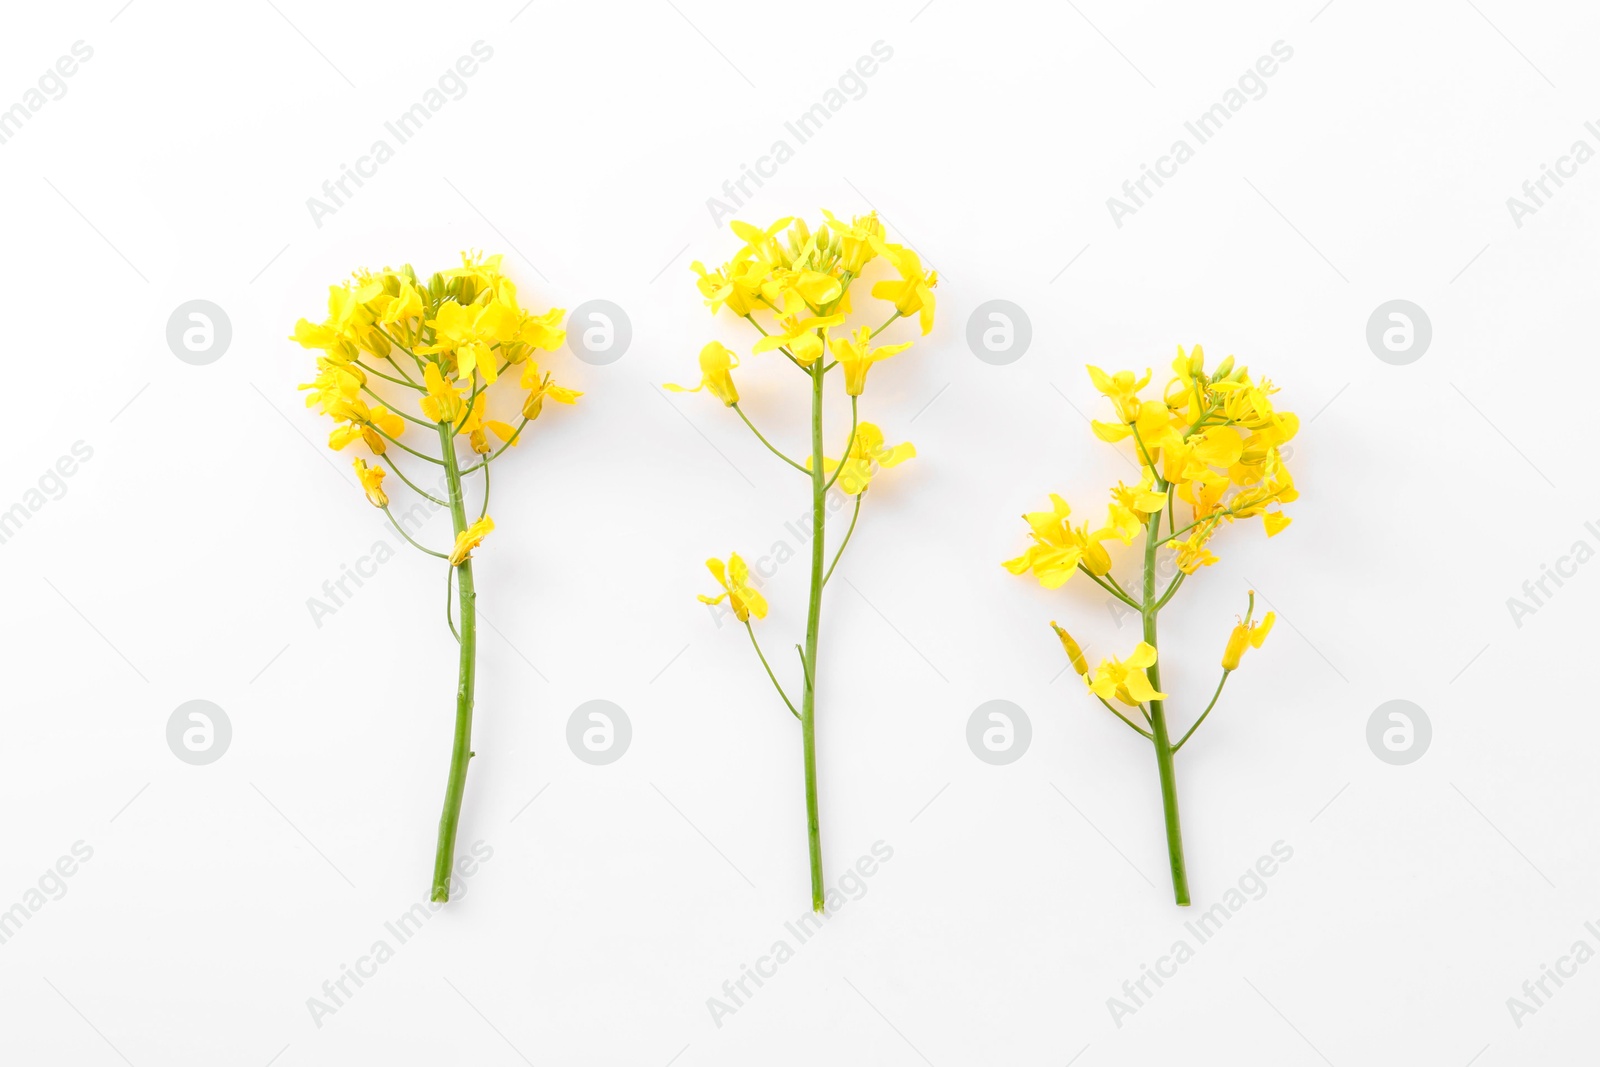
x: 770, y: 446
x: 775, y: 683
x: 808, y: 714
x: 414, y: 486
x: 1158, y: 723
x: 853, y: 517
x: 1203, y: 714
x: 461, y: 750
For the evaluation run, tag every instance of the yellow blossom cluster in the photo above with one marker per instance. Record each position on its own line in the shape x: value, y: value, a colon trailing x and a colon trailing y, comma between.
x: 1213, y: 440
x: 446, y: 339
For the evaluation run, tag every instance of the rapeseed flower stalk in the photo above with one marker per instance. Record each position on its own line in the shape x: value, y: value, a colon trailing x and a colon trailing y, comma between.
x: 1211, y: 441
x: 798, y: 280
x: 442, y: 343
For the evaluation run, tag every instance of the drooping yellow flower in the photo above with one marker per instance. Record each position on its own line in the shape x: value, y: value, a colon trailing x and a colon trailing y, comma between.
x: 1059, y: 547
x: 857, y: 357
x: 1244, y: 635
x: 913, y: 293
x: 743, y: 598
x: 1192, y: 551
x: 469, y: 539
x: 372, y: 481
x: 867, y: 454
x: 1126, y: 680
x: 539, y: 386
x: 716, y: 365
x: 544, y: 331
x: 1074, y: 653
x: 362, y: 424
x: 798, y: 331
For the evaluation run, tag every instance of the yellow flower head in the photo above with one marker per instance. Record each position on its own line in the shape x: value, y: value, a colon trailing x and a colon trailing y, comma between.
x: 1192, y: 551
x: 372, y: 481
x: 912, y: 294
x: 1126, y: 680
x: 1059, y: 547
x: 716, y: 366
x: 735, y: 581
x: 443, y: 402
x: 856, y: 357
x: 469, y: 539
x: 1246, y: 636
x: 855, y: 239
x: 737, y: 286
x: 1122, y: 389
x: 539, y: 386
x: 867, y: 454
x: 797, y: 331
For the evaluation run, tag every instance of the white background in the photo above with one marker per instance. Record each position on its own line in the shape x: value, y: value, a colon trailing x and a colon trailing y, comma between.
x: 179, y: 562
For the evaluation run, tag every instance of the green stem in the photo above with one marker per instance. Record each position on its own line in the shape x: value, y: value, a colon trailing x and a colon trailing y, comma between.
x: 853, y: 517
x: 1158, y: 724
x: 1203, y: 714
x: 461, y: 751
x: 770, y: 447
x: 848, y: 445
x: 775, y: 683
x: 1116, y: 591
x: 415, y: 488
x: 808, y: 715
x: 413, y: 540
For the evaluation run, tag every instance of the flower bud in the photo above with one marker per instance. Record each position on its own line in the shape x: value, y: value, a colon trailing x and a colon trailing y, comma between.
x: 1222, y: 369
x: 1197, y: 362
x: 1074, y: 653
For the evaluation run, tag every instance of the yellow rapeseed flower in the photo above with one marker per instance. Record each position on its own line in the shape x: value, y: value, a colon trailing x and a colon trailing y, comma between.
x: 735, y: 581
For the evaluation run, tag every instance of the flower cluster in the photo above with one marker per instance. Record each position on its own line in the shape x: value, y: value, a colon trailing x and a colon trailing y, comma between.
x: 793, y: 284
x: 444, y: 343
x: 447, y: 339
x: 1213, y: 441
x: 1214, y: 438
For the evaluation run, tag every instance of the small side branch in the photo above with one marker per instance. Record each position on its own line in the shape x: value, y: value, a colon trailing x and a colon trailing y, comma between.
x: 856, y: 515
x: 770, y: 446
x: 775, y: 684
x: 1203, y: 714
